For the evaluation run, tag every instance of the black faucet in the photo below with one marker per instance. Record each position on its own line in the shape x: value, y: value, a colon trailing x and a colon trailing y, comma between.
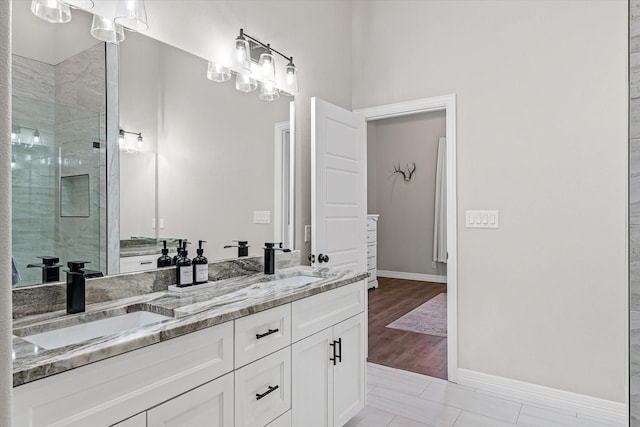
x: 50, y: 268
x: 76, y: 276
x: 270, y: 256
x: 243, y: 249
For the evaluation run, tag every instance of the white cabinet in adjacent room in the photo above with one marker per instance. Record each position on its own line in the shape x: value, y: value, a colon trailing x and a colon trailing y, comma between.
x: 372, y: 250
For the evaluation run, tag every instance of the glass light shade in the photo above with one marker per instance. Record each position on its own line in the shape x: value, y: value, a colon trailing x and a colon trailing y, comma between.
x: 269, y: 92
x: 140, y: 142
x: 240, y: 60
x: 290, y: 85
x: 267, y: 68
x: 55, y: 11
x: 36, y: 137
x: 132, y: 15
x: 121, y: 139
x: 15, y: 135
x: 106, y: 30
x: 245, y: 83
x: 218, y: 72
x: 80, y: 4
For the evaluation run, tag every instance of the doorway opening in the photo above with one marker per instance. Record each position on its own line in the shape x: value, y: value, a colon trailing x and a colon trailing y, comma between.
x: 411, y: 291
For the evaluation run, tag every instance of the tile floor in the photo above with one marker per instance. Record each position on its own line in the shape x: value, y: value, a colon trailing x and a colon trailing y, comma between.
x: 398, y: 398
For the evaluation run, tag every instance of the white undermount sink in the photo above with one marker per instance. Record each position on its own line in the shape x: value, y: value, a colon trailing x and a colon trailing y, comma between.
x: 98, y: 328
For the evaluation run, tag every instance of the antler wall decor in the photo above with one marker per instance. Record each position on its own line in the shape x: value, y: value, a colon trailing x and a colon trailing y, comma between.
x: 406, y: 173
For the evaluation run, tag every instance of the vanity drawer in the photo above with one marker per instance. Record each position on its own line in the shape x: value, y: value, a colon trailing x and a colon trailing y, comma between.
x: 138, y: 263
x: 315, y: 313
x: 282, y: 421
x: 263, y: 390
x: 371, y: 236
x: 262, y: 333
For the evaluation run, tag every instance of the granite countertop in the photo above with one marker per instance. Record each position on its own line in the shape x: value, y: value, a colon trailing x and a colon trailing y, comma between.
x: 190, y: 310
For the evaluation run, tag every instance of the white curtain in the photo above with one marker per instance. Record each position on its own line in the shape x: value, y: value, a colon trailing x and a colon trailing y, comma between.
x: 440, y: 217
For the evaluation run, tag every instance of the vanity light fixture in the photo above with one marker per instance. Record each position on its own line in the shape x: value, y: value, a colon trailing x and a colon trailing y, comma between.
x: 132, y: 15
x: 13, y: 161
x: 36, y: 137
x: 248, y: 78
x: 106, y: 30
x: 15, y: 136
x: 124, y: 146
x: 80, y: 4
x: 55, y: 11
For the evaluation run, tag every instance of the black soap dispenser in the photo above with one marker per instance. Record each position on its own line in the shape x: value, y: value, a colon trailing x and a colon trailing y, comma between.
x: 184, y: 268
x: 200, y: 266
x: 165, y: 260
x: 177, y: 255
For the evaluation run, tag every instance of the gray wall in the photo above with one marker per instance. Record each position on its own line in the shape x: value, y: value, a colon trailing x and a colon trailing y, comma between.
x: 6, y: 361
x: 534, y: 143
x: 634, y: 209
x: 405, y: 228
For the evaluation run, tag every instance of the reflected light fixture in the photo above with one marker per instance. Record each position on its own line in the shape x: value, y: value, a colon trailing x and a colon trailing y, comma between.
x: 15, y: 136
x: 218, y: 72
x: 106, y: 30
x: 55, y: 11
x: 264, y: 74
x: 122, y: 144
x: 13, y: 161
x: 132, y: 15
x: 36, y: 137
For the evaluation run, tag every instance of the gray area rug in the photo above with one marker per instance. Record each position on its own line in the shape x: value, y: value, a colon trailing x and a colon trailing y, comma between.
x: 430, y: 318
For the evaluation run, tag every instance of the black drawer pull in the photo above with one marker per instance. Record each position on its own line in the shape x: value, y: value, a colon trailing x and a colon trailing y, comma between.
x: 334, y: 359
x: 271, y: 389
x: 339, y: 355
x: 146, y: 262
x: 269, y: 332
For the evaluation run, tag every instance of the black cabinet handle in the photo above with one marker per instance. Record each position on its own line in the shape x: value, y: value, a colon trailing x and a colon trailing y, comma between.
x: 146, y: 262
x: 271, y: 389
x: 269, y: 332
x: 311, y: 258
x: 337, y: 351
x: 323, y: 258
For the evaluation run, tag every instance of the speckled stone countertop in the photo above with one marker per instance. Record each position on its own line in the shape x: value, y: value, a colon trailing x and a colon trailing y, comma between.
x: 190, y: 311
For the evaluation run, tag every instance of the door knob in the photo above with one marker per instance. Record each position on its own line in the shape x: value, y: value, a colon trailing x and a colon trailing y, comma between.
x: 323, y: 258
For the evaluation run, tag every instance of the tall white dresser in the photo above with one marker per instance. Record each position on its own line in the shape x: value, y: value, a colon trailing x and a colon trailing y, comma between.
x: 372, y: 249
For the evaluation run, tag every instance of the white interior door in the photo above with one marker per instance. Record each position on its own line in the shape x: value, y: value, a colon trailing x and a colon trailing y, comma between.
x: 338, y: 187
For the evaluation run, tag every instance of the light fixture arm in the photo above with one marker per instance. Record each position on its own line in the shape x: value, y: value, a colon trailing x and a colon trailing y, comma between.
x: 266, y: 46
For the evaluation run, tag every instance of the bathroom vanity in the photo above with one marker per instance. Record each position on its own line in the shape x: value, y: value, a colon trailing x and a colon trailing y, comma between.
x: 256, y: 350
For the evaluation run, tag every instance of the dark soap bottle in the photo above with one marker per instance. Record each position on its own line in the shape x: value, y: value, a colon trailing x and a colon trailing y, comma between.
x: 175, y: 258
x: 200, y: 266
x: 184, y: 269
x: 165, y: 260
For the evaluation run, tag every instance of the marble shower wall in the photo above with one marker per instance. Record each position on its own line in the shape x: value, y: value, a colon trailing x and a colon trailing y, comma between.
x: 80, y: 121
x: 34, y: 179
x: 66, y: 104
x: 634, y: 210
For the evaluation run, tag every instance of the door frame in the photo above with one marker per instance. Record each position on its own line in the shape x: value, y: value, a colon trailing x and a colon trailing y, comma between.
x: 446, y: 103
x: 280, y: 130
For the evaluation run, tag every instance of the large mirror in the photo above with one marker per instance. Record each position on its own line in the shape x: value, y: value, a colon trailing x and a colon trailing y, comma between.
x: 214, y: 163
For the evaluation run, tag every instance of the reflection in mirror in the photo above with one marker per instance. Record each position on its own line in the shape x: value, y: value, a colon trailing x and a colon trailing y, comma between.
x: 58, y: 122
x: 206, y: 170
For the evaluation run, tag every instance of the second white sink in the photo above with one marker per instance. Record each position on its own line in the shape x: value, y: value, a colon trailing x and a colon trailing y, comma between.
x: 98, y: 328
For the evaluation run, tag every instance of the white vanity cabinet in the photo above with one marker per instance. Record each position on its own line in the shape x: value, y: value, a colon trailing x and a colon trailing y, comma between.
x: 328, y: 362
x: 131, y: 264
x: 272, y: 369
x: 209, y: 405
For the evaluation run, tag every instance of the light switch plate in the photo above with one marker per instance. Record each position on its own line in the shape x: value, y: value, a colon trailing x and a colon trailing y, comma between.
x: 262, y: 217
x: 482, y: 219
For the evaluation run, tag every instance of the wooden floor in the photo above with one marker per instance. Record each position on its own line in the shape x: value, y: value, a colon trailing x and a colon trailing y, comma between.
x: 409, y: 351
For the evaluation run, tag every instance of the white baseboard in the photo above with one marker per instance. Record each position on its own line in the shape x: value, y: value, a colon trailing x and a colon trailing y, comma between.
x: 605, y: 410
x: 412, y: 276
